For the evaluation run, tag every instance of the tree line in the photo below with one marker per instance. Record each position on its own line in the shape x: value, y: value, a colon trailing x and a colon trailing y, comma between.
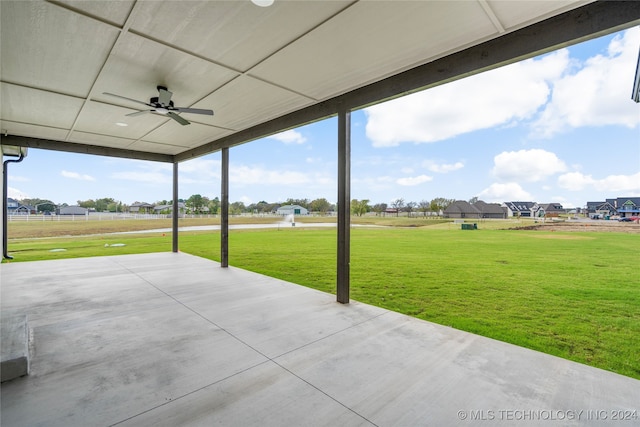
x: 198, y: 204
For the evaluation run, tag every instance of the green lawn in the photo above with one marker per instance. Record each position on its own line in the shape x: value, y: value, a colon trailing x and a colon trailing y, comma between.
x: 574, y: 295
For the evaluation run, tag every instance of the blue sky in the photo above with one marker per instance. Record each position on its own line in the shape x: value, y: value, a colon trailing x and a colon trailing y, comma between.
x: 558, y: 128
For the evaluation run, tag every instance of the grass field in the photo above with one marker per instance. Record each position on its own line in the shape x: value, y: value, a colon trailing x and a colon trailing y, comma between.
x: 574, y: 295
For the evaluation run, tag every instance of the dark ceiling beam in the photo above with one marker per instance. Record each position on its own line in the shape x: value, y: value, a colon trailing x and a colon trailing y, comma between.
x: 72, y: 147
x: 575, y: 26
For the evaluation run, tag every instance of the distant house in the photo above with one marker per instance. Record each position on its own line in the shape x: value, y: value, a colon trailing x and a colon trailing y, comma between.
x: 490, y: 210
x: 157, y: 209
x: 622, y: 206
x: 292, y: 210
x: 15, y: 208
x: 72, y: 210
x: 461, y: 209
x: 478, y: 210
x: 551, y: 209
x: 521, y: 209
x: 12, y: 205
x: 139, y: 207
x: 630, y: 206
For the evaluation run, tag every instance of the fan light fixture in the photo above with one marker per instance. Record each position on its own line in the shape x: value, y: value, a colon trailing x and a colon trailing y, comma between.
x: 262, y: 3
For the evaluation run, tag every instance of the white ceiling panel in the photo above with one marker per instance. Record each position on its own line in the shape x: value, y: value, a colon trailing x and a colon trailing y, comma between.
x: 39, y: 107
x: 137, y: 65
x: 174, y: 133
x: 234, y: 33
x: 34, y: 131
x: 46, y: 47
x: 115, y: 11
x: 100, y: 140
x: 261, y: 69
x: 99, y: 118
x: 326, y: 63
x: 516, y: 13
x: 156, y: 147
x: 246, y: 101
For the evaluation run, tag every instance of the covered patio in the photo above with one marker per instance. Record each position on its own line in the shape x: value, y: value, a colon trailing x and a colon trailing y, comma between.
x: 171, y: 339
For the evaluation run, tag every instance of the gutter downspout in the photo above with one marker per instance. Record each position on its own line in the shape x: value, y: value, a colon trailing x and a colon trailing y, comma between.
x: 5, y: 173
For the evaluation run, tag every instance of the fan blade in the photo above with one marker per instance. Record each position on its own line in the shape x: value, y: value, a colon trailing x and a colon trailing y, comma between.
x: 193, y: 111
x: 139, y: 113
x: 164, y: 96
x: 128, y: 99
x: 178, y: 119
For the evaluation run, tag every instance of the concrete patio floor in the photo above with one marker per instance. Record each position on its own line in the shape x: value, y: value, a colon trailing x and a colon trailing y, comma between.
x: 173, y: 340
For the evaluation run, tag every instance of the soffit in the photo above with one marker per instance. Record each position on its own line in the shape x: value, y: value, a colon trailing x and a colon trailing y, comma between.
x: 249, y: 64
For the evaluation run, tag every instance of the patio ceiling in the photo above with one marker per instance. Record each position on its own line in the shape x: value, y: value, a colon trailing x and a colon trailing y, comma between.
x: 261, y: 69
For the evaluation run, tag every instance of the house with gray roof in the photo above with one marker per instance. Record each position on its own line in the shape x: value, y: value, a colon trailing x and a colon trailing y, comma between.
x: 292, y: 210
x: 490, y: 210
x: 521, y: 209
x: 550, y: 210
x: 461, y: 209
x: 141, y: 207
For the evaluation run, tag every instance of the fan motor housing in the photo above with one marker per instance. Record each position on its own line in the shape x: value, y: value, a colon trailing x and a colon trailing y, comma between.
x: 156, y: 101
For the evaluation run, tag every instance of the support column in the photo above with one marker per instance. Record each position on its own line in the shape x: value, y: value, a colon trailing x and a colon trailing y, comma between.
x: 344, y: 205
x: 224, y: 209
x: 175, y: 210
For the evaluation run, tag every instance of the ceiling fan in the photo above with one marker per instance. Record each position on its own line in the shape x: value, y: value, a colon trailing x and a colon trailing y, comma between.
x: 163, y: 105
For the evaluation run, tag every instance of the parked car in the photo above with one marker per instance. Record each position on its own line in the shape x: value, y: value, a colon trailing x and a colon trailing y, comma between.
x: 629, y: 219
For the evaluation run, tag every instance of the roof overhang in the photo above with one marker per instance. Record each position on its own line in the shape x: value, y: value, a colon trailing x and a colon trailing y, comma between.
x: 262, y: 70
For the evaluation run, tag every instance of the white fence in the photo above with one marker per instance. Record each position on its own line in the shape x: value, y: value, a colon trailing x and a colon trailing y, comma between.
x: 96, y: 216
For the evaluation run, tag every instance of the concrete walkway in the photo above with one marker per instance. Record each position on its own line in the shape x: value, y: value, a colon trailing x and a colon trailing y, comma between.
x: 173, y: 340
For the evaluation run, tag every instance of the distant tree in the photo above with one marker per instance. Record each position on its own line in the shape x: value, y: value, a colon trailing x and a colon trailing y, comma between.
x: 214, y: 205
x: 473, y: 200
x: 300, y: 202
x: 236, y: 208
x: 320, y: 205
x: 410, y: 207
x: 195, y: 203
x: 116, y: 206
x: 88, y: 204
x: 397, y: 204
x: 41, y: 205
x: 102, y: 204
x: 379, y: 208
x: 424, y: 206
x: 360, y: 207
x: 440, y: 203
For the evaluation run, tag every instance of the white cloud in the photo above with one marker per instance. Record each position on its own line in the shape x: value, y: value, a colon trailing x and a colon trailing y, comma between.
x: 290, y: 137
x: 246, y: 175
x: 14, y: 193
x: 497, y: 193
x: 477, y: 102
x: 245, y: 199
x: 444, y: 167
x: 201, y: 167
x: 598, y: 94
x: 526, y: 165
x: 18, y: 178
x: 76, y: 175
x: 577, y: 181
x: 415, y: 180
